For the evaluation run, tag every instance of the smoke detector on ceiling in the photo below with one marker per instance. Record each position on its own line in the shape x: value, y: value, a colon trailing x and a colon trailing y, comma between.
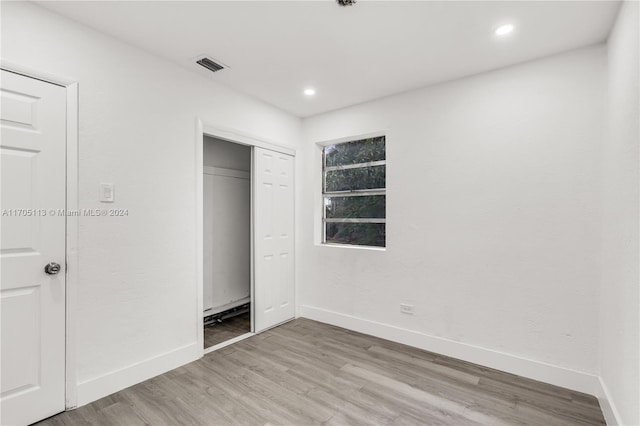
x: 209, y: 63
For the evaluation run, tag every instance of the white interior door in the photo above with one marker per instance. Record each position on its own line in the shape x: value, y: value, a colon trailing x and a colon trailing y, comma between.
x: 273, y: 238
x: 227, y: 240
x: 32, y: 302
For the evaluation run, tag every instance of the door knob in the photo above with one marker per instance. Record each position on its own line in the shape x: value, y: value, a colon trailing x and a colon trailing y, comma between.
x: 52, y: 268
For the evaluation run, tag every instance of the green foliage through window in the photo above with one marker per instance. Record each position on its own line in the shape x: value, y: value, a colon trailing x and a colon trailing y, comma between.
x: 354, y: 191
x: 370, y: 206
x: 364, y: 234
x: 356, y: 152
x: 353, y: 179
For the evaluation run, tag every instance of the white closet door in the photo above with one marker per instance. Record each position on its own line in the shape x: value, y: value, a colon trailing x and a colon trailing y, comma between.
x: 273, y: 233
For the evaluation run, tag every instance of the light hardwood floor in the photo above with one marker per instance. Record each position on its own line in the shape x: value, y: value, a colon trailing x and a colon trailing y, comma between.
x: 308, y: 373
x: 226, y: 330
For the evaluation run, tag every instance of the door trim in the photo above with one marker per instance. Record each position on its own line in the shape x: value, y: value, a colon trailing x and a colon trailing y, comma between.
x: 242, y: 138
x: 71, y: 221
x: 73, y: 226
x: 235, y: 136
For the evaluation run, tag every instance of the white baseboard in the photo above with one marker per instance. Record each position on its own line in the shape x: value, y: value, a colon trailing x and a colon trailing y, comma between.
x: 611, y: 415
x: 99, y: 387
x: 548, y: 373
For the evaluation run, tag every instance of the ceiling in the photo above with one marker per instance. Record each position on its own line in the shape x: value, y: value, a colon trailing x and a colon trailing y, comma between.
x: 348, y: 54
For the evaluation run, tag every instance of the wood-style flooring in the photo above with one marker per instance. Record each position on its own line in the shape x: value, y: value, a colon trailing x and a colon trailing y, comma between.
x: 227, y: 329
x: 309, y: 373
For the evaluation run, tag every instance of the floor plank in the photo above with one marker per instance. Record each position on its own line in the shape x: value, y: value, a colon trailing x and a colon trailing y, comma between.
x: 308, y: 373
x: 226, y: 330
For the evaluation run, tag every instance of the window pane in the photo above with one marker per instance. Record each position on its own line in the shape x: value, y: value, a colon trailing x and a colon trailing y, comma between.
x: 352, y: 179
x: 363, y: 234
x: 369, y: 207
x: 362, y: 151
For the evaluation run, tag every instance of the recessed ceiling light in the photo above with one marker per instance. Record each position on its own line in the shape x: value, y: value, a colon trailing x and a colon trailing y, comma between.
x: 310, y: 91
x: 504, y: 29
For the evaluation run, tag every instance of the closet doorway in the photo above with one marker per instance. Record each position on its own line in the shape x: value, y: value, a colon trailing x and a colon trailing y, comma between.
x: 227, y: 241
x: 245, y: 244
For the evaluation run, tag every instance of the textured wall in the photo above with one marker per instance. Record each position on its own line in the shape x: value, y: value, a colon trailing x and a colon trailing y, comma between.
x: 493, y: 212
x: 137, y: 290
x: 619, y: 294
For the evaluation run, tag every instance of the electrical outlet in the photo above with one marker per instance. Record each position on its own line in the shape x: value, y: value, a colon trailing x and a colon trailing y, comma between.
x: 406, y: 309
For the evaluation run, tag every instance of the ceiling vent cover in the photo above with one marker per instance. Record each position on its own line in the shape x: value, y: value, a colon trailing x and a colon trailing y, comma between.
x: 210, y: 64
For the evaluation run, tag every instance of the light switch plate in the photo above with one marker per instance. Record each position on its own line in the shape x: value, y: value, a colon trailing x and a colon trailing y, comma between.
x: 107, y: 193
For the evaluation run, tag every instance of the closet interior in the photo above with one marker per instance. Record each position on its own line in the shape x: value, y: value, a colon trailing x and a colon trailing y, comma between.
x: 227, y: 241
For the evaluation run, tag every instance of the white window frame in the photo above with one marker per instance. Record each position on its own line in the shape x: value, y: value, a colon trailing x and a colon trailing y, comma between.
x: 351, y: 193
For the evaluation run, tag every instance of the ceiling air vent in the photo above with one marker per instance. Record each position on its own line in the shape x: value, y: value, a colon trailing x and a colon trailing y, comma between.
x: 210, y: 64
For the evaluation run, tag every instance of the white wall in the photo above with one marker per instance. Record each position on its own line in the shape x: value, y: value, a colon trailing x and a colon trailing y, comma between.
x: 228, y: 155
x: 493, y: 220
x: 619, y: 294
x: 137, y: 290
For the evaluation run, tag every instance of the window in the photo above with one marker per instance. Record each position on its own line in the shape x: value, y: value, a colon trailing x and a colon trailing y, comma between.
x: 354, y: 192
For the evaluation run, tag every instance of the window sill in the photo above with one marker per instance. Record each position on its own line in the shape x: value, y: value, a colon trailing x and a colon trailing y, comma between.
x: 354, y: 247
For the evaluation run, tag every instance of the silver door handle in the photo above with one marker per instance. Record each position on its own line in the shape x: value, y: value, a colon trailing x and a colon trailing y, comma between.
x: 52, y: 268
